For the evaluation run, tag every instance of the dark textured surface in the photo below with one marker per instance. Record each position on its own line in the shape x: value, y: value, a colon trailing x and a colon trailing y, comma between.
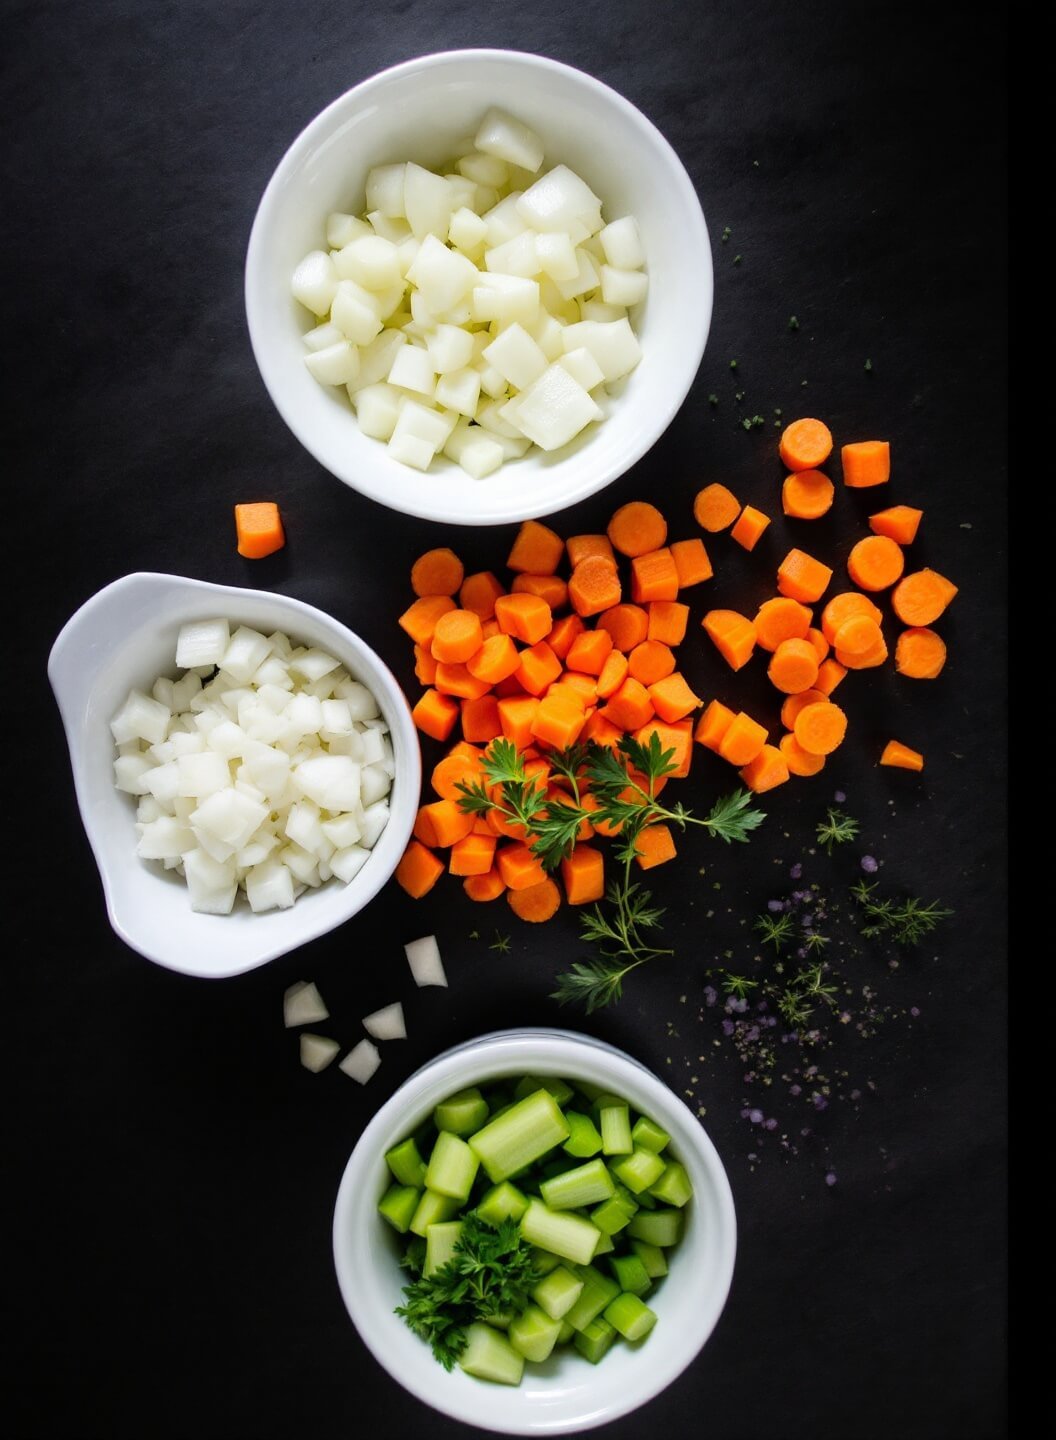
x: 173, y: 1167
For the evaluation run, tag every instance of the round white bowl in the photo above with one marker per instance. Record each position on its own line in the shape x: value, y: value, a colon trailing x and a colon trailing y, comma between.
x: 420, y: 110
x: 566, y: 1394
x: 125, y: 637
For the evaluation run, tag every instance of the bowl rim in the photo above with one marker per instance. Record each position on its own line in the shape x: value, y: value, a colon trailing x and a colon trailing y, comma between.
x: 484, y: 512
x: 64, y: 686
x: 460, y: 1065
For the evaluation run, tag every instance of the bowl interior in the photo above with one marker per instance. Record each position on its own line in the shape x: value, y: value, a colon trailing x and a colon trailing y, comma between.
x: 566, y: 1393
x: 426, y: 110
x: 125, y: 638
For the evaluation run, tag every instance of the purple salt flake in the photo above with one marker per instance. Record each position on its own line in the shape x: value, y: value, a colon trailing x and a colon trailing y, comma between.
x: 856, y: 1094
x: 801, y: 953
x: 914, y: 1010
x: 775, y: 906
x: 839, y: 797
x: 727, y: 1027
x: 755, y: 1116
x: 796, y: 871
x: 770, y: 1124
x: 711, y: 995
x: 870, y: 865
x: 740, y: 1005
x: 795, y: 1089
x: 820, y: 1103
x: 745, y: 1113
x: 753, y: 1033
x: 830, y: 1178
x: 752, y: 1155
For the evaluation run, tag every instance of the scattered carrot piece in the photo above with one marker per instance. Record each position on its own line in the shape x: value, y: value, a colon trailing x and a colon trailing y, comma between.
x: 793, y: 667
x: 594, y: 586
x: 637, y: 528
x: 674, y: 735
x: 801, y: 577
x: 820, y: 728
x: 419, y: 620
x: 798, y: 760
x: 437, y: 572
x: 781, y: 619
x: 732, y: 634
x: 423, y: 828
x: 497, y: 659
x: 455, y: 679
x: 435, y: 714
x: 864, y: 660
x: 516, y: 712
x: 743, y: 740
x: 857, y: 636
x: 583, y: 875
x: 672, y: 698
x: 807, y: 494
x: 525, y: 617
x: 424, y: 666
x: 865, y: 463
x: 920, y: 654
x: 457, y: 637
x: 449, y: 822
x: 901, y: 756
x: 767, y: 770
x: 454, y: 770
x: 537, y: 550
x: 518, y: 867
x: 830, y: 673
x: 713, y: 724
x: 472, y: 855
x: 875, y: 563
x: 651, y: 661
x: 654, y: 845
x: 691, y: 562
x: 418, y: 870
x: 600, y: 730
x: 668, y: 620
x: 841, y: 607
x: 630, y: 706
x: 817, y: 639
x: 748, y: 530
x: 716, y: 508
x: 582, y: 547
x: 805, y: 444
x: 258, y: 529
x: 550, y: 588
x: 795, y: 703
x: 479, y: 593
x: 900, y: 523
x: 563, y: 634
x: 654, y: 577
x: 589, y: 652
x: 627, y: 624
x: 613, y: 673
x: 920, y: 598
x: 484, y: 887
x: 558, y: 721
x: 538, y: 668
x: 480, y: 719
x: 536, y: 904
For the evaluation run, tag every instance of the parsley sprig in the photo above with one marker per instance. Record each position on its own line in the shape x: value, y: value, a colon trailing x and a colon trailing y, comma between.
x: 905, y: 921
x: 836, y: 829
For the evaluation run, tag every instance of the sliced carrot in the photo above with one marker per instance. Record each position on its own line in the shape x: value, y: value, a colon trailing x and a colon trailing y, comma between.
x: 801, y: 577
x: 668, y: 620
x: 539, y: 668
x: 449, y: 821
x: 511, y: 686
x: 899, y: 523
x: 435, y: 714
x: 875, y: 563
x: 857, y: 636
x: 419, y: 870
x: 807, y: 494
x: 651, y: 661
x: 613, y: 674
x: 437, y: 572
x: 653, y: 846
x: 585, y: 687
x: 454, y: 770
x: 484, y: 887
x: 795, y: 703
x: 743, y: 740
x: 594, y: 586
x: 920, y: 598
x: 630, y: 707
x: 516, y: 712
x: 519, y: 867
x: 479, y: 593
x: 258, y: 529
x: 637, y: 528
x: 654, y: 577
x: 558, y: 721
x: 525, y: 617
x: 768, y: 770
x: 901, y: 756
x: 748, y: 531
x: 675, y: 735
x: 465, y: 749
x: 489, y: 628
x: 691, y: 562
x: 713, y: 724
x: 480, y: 719
x: 581, y: 547
x: 424, y: 665
x: 798, y: 760
x: 672, y: 698
x: 457, y: 636
x: 864, y: 659
x: 715, y: 508
x: 537, y: 904
x: 820, y: 728
x: 472, y: 855
x: 537, y: 550
x: 805, y: 444
x: 830, y: 673
x: 589, y: 652
x: 781, y: 619
x: 497, y: 659
x: 920, y: 654
x: 600, y: 730
x: 732, y: 634
x: 419, y: 620
x: 627, y: 624
x: 550, y: 588
x: 423, y: 828
x: 583, y: 875
x: 793, y: 667
x: 458, y: 681
x: 563, y: 633
x: 841, y: 607
x: 865, y: 463
x: 821, y: 645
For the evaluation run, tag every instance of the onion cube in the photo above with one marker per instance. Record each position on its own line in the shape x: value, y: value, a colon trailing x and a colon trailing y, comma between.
x: 556, y: 255
x: 412, y: 369
x: 319, y: 338
x: 347, y: 863
x: 622, y: 243
x: 515, y: 257
x: 202, y: 775
x: 336, y: 365
x: 503, y: 222
x: 442, y: 276
x: 377, y: 409
x: 484, y: 169
x: 130, y: 773
x: 467, y: 232
x: 354, y: 314
x: 583, y: 368
x: 598, y: 310
x: 423, y: 956
x: 314, y: 664
x: 304, y: 714
x: 372, y: 261
x: 505, y: 298
x: 385, y: 190
x: 375, y: 359
x: 331, y: 781
x: 614, y: 346
x: 552, y: 410
x: 165, y: 838
x: 375, y: 818
x: 507, y: 138
x: 269, y: 887
x: 516, y: 356
x: 342, y: 229
x: 229, y: 816
x: 361, y: 1061
x: 557, y: 200
x: 450, y: 348
x: 459, y: 391
x: 140, y: 718
x: 246, y: 652
x: 623, y: 287
x: 314, y: 282
x: 374, y: 785
x: 342, y: 831
x: 211, y: 883
x: 303, y: 1005
x: 301, y: 865
x: 373, y: 745
x: 317, y: 1051
x: 586, y: 277
x: 164, y: 783
x: 420, y: 422
x: 387, y: 1023
x: 428, y: 201
x: 481, y: 456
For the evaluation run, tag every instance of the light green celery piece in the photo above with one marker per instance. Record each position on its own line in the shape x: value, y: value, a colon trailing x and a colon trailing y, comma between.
x: 631, y: 1274
x: 647, y: 1135
x: 585, y: 1185
x: 452, y: 1167
x: 558, y: 1088
x: 398, y: 1205
x: 534, y: 1333
x: 440, y: 1242
x: 598, y: 1291
x: 614, y: 1120
x: 527, y: 1131
x: 639, y: 1171
x: 655, y: 1227
x: 606, y: 1245
x: 490, y: 1356
x: 569, y: 1236
x: 406, y: 1164
x: 584, y: 1140
x: 630, y: 1316
x: 626, y: 1199
x: 674, y: 1186
x: 502, y: 1202
x: 542, y: 1260
x: 565, y: 1334
x: 557, y: 1292
x: 432, y: 1209
x: 652, y: 1257
x: 462, y: 1113
x: 611, y: 1216
x: 595, y: 1340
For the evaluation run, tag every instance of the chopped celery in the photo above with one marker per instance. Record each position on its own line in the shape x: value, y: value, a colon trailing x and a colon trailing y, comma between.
x: 406, y: 1164
x: 673, y: 1187
x: 558, y: 1292
x: 583, y: 1140
x: 639, y: 1170
x: 631, y: 1274
x: 534, y: 1333
x: 462, y: 1113
x: 452, y: 1167
x: 647, y: 1135
x: 614, y: 1118
x: 527, y: 1131
x: 432, y: 1210
x: 611, y: 1216
x: 558, y: 1088
x: 490, y: 1356
x: 502, y: 1202
x: 569, y: 1236
x: 598, y: 1290
x: 565, y: 1334
x: 585, y: 1185
x: 646, y: 1200
x: 652, y: 1257
x: 630, y: 1316
x: 595, y: 1340
x: 606, y: 1245
x: 440, y: 1242
x: 544, y: 1261
x: 398, y: 1205
x: 626, y: 1199
x: 656, y: 1227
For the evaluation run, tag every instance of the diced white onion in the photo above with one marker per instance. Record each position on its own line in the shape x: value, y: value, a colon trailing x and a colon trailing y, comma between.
x: 361, y: 1061
x: 317, y: 1051
x: 386, y: 1023
x: 303, y: 1005
x: 423, y: 956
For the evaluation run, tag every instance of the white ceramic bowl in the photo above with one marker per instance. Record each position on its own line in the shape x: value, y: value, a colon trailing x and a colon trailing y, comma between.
x: 125, y: 637
x: 419, y: 111
x: 567, y: 1393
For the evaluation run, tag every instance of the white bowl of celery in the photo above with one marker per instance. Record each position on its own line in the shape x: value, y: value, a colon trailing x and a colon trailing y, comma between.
x: 534, y: 1234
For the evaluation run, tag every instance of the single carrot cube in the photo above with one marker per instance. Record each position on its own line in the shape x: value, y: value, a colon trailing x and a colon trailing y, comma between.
x: 435, y: 715
x: 654, y: 577
x: 801, y: 577
x: 748, y: 530
x: 419, y: 870
x: 668, y: 620
x: 583, y: 875
x: 537, y: 550
x: 672, y: 698
x: 691, y: 562
x: 654, y: 846
x: 525, y: 617
x: 713, y: 724
x: 538, y: 668
x: 480, y: 719
x: 472, y: 855
x: 258, y: 528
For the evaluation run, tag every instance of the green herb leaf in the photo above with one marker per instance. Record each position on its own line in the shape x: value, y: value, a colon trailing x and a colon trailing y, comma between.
x: 836, y: 829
